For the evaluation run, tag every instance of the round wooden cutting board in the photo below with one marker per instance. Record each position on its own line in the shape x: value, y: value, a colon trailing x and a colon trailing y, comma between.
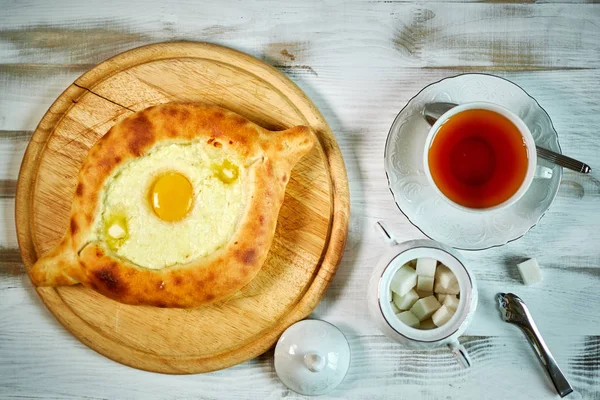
x: 311, y: 230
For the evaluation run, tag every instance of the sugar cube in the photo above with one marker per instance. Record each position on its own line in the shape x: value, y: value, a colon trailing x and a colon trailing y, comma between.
x: 427, y: 324
x: 424, y: 293
x: 443, y: 276
x: 405, y: 302
x: 425, y: 283
x: 395, y: 309
x: 404, y: 280
x: 530, y: 271
x: 442, y: 315
x: 445, y: 281
x: 441, y: 297
x: 453, y: 289
x: 424, y: 308
x: 426, y: 266
x: 451, y: 301
x: 408, y: 318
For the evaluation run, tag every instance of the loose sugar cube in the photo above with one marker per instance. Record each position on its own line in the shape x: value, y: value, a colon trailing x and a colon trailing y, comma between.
x: 405, y: 302
x: 409, y: 319
x: 427, y: 324
x: 451, y: 301
x: 424, y: 308
x: 441, y: 297
x: 404, y: 280
x: 424, y: 283
x: 442, y: 315
x: 426, y: 266
x: 395, y: 309
x: 530, y: 271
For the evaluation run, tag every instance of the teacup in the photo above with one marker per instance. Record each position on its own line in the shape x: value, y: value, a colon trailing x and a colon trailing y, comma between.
x: 526, y: 142
x: 379, y: 296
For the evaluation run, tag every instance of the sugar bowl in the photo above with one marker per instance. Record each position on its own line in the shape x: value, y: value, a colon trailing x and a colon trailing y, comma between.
x: 415, y: 326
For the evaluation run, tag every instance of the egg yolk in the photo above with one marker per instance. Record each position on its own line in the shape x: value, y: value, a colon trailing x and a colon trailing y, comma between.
x: 171, y: 196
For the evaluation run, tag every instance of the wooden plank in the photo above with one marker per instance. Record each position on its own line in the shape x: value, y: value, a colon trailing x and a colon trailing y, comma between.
x: 12, y: 148
x: 28, y: 92
x: 8, y: 188
x: 568, y: 95
x: 465, y: 37
x: 418, y: 35
x: 380, y: 368
x: 8, y: 237
x: 10, y: 262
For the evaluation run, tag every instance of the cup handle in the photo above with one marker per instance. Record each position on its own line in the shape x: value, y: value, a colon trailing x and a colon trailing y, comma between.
x: 460, y: 354
x: 385, y: 233
x: 543, y: 172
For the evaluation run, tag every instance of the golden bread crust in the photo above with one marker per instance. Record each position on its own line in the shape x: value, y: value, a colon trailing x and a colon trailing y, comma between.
x: 268, y: 157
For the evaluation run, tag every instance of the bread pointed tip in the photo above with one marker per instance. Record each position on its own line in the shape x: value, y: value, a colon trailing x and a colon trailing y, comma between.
x: 55, y: 268
x: 293, y: 143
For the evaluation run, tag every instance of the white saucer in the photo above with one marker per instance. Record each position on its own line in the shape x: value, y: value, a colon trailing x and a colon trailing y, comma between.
x: 425, y: 208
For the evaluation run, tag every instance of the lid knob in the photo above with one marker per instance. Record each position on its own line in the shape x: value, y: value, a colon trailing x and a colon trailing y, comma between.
x: 314, y: 362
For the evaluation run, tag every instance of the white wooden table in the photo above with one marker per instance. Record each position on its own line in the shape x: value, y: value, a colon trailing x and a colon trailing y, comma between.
x: 360, y: 62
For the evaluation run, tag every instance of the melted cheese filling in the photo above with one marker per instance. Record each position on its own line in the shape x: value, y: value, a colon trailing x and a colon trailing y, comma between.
x: 128, y: 223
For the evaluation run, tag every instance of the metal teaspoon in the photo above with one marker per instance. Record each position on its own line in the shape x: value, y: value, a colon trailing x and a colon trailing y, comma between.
x: 433, y: 111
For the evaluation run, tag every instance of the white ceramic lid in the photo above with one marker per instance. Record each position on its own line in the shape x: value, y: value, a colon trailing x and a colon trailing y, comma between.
x: 312, y: 357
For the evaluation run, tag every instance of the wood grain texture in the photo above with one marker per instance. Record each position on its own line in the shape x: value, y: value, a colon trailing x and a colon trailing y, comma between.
x: 346, y: 59
x: 309, y: 239
x: 42, y: 57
